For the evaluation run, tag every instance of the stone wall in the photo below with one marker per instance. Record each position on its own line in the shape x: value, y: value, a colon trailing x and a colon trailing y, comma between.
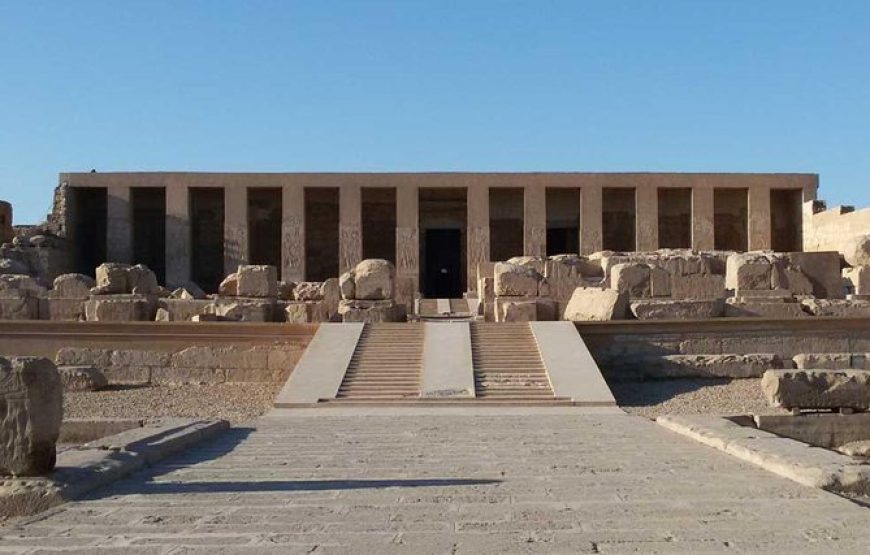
x: 831, y: 230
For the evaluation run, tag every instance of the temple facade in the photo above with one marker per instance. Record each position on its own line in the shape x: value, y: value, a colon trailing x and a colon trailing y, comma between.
x: 435, y: 227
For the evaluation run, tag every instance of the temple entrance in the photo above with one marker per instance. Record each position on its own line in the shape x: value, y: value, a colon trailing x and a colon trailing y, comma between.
x: 442, y: 265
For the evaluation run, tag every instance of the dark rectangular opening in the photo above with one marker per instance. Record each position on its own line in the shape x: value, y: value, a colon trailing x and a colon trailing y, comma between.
x: 675, y: 218
x: 264, y: 226
x: 505, y: 222
x: 730, y: 219
x: 443, y: 216
x: 786, y: 214
x: 563, y: 221
x: 379, y: 223
x: 321, y: 233
x: 618, y: 219
x: 89, y: 227
x: 207, y: 237
x: 149, y: 228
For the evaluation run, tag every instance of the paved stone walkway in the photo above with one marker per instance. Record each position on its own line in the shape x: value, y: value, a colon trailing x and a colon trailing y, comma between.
x: 438, y: 481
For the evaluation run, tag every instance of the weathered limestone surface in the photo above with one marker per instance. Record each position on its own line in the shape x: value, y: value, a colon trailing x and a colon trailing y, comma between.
x: 370, y: 311
x: 710, y: 366
x: 112, y: 278
x: 12, y: 266
x: 81, y: 378
x: 818, y: 389
x: 118, y: 308
x: 244, y: 309
x: 64, y: 310
x: 656, y: 309
x: 308, y: 291
x: 229, y: 287
x: 72, y: 286
x: 519, y: 310
x: 593, y: 304
x: 858, y: 279
x: 257, y: 281
x: 857, y: 251
x: 182, y: 310
x: 836, y: 307
x: 32, y: 397
x: 374, y: 280
x: 736, y: 307
x: 515, y: 280
x: 831, y: 361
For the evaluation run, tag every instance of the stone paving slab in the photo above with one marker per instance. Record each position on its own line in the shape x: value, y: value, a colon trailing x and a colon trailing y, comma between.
x: 409, y: 481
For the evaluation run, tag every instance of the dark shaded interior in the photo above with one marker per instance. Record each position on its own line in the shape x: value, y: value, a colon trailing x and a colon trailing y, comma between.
x: 207, y: 237
x: 675, y: 218
x: 505, y: 223
x: 88, y: 227
x: 442, y: 272
x: 321, y: 233
x: 730, y: 219
x: 618, y: 219
x: 563, y: 221
x: 149, y: 228
x: 379, y: 223
x: 264, y: 226
x: 786, y: 231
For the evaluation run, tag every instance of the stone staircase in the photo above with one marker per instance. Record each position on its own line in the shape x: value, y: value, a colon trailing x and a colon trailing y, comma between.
x: 507, y: 363
x: 386, y: 364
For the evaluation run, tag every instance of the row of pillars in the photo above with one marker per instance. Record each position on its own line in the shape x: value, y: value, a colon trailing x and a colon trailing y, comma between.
x: 178, y: 243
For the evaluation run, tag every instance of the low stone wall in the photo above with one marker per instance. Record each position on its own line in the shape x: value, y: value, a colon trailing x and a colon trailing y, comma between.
x: 831, y: 230
x: 728, y: 347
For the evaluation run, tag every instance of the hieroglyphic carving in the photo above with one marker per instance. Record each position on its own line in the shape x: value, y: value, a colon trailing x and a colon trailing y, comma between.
x: 350, y: 246
x: 293, y: 248
x: 407, y: 250
x: 536, y: 241
x: 478, y: 252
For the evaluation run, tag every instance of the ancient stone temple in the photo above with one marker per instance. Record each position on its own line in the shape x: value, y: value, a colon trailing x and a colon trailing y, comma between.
x: 435, y: 227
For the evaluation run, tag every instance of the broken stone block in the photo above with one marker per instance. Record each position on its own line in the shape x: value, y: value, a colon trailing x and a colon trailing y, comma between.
x: 10, y: 266
x: 82, y: 378
x: 24, y: 308
x: 347, y: 285
x: 817, y: 389
x: 300, y: 312
x: 830, y: 361
x: 518, y: 309
x: 858, y: 279
x: 285, y: 290
x: 860, y: 449
x: 229, y: 287
x: 117, y: 308
x: 371, y: 311
x: 16, y: 286
x: 182, y: 310
x: 374, y: 280
x: 142, y: 281
x: 62, y: 310
x: 696, y: 309
x: 406, y: 291
x: 72, y: 286
x: 308, y: 291
x: 748, y: 270
x: 188, y: 291
x: 259, y: 281
x: 640, y: 281
x: 751, y: 365
x: 331, y: 295
x: 857, y: 251
x: 593, y: 304
x: 698, y: 286
x: 537, y: 263
x: 837, y: 307
x: 737, y: 307
x: 514, y: 280
x: 112, y: 278
x: 822, y: 270
x: 242, y: 309
x: 32, y: 397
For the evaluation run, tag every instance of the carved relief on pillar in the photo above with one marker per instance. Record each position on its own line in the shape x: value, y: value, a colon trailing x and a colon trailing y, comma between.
x: 350, y: 246
x: 536, y: 240
x: 293, y: 248
x: 478, y: 252
x: 407, y: 250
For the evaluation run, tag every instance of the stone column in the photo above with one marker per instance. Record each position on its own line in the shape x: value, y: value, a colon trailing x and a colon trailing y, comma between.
x: 478, y: 232
x: 293, y: 233
x: 119, y: 224
x: 407, y: 242
x: 646, y: 207
x: 177, y: 235
x: 235, y: 228
x: 591, y: 233
x: 702, y: 219
x: 759, y: 218
x: 535, y: 221
x: 350, y: 227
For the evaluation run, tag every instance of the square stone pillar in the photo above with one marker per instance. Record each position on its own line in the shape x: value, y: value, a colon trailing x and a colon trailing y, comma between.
x: 235, y: 228
x: 646, y: 205
x: 349, y: 227
x: 702, y: 219
x: 535, y: 221
x: 408, y: 240
x: 293, y: 233
x: 177, y: 235
x: 759, y: 218
x: 478, y: 232
x: 119, y: 224
x: 591, y: 232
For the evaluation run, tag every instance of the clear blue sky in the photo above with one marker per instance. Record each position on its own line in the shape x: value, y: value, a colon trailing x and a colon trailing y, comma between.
x: 448, y: 85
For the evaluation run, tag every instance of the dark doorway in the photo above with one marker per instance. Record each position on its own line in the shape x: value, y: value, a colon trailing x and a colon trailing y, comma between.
x: 321, y: 233
x: 207, y: 237
x: 506, y: 206
x: 786, y: 234
x: 675, y: 218
x: 563, y: 221
x: 442, y: 267
x: 618, y: 219
x: 264, y: 226
x: 89, y: 228
x: 149, y: 229
x: 730, y: 219
x: 379, y: 223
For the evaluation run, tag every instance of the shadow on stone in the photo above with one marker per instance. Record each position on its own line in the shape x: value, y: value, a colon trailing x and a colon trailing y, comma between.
x: 157, y: 488
x: 653, y: 392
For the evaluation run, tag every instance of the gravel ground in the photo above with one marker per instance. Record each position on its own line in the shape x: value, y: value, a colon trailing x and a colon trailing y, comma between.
x: 234, y: 402
x: 692, y: 396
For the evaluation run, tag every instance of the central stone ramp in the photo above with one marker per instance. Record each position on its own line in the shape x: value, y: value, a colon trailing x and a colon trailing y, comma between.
x: 507, y: 362
x: 386, y: 363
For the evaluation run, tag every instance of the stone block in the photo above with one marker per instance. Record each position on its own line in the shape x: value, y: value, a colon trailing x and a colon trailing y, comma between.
x: 11, y: 266
x: 84, y: 356
x: 72, y: 286
x: 285, y: 290
x: 548, y: 310
x: 182, y: 310
x: 207, y: 357
x: 15, y: 286
x: 117, y: 308
x: 62, y: 310
x: 593, y: 304
x: 857, y: 250
x: 374, y: 280
x: 817, y: 389
x: 229, y: 287
x: 822, y: 269
x: 736, y: 308
x: 112, y: 278
x: 656, y: 309
x: 371, y: 311
x: 347, y: 286
x: 241, y: 309
x: 828, y: 361
x: 749, y: 270
x: 485, y: 270
x: 536, y: 263
x: 698, y: 286
x: 81, y: 378
x: 514, y: 280
x: 837, y: 307
x: 32, y: 396
x: 139, y: 357
x: 330, y: 292
x: 259, y: 281
x: 24, y: 308
x: 517, y: 309
x: 142, y: 281
x: 858, y: 280
x: 660, y: 282
x: 301, y: 312
x: 710, y: 366
x: 174, y: 375
x: 631, y: 279
x: 308, y: 291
